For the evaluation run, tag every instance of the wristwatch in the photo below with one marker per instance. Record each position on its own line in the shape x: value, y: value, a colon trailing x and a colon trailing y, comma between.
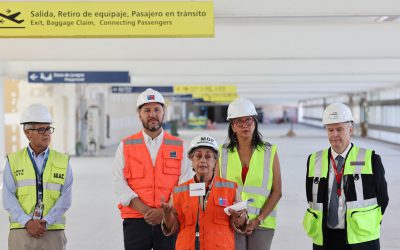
x: 260, y: 221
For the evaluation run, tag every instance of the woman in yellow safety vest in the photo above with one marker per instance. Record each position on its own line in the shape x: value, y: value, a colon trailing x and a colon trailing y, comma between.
x: 254, y: 165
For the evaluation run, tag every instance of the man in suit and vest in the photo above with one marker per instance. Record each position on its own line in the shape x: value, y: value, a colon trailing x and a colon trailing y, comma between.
x: 37, y: 187
x: 147, y: 166
x: 346, y: 189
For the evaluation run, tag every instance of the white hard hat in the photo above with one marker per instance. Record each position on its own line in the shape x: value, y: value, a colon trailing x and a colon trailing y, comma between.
x: 203, y: 140
x: 241, y: 107
x: 337, y: 113
x: 148, y: 96
x: 36, y: 113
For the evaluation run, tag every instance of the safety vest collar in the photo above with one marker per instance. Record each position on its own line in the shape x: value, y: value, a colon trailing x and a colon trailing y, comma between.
x: 266, y: 168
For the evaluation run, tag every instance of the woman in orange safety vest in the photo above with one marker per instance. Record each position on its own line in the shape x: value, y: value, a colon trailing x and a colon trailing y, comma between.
x: 197, y: 214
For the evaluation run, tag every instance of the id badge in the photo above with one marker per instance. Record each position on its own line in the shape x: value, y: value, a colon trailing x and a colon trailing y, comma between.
x: 197, y: 189
x: 38, y: 212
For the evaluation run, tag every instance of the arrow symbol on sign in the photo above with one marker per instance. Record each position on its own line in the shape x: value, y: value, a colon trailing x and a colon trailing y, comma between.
x: 33, y: 77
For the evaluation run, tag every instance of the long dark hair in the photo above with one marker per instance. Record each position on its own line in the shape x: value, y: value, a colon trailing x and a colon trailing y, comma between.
x: 256, y: 141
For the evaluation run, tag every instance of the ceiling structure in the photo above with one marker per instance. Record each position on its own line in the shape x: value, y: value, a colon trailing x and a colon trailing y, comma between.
x: 276, y: 52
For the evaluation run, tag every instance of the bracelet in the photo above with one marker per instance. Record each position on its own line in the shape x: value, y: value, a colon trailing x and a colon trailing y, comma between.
x: 260, y: 221
x: 166, y: 231
x: 245, y: 223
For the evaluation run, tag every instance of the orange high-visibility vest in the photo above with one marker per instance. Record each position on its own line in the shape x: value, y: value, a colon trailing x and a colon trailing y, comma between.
x: 151, y: 183
x: 215, y: 229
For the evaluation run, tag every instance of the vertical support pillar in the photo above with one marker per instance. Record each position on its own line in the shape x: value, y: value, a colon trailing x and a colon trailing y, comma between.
x: 2, y: 135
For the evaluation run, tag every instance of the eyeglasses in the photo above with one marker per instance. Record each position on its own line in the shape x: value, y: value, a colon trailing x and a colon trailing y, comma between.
x: 42, y: 131
x: 240, y: 122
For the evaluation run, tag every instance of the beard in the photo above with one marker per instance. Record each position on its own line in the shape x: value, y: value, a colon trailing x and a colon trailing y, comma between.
x: 152, y: 127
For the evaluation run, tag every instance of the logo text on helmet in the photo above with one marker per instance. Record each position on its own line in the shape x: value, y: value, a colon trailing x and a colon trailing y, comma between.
x: 333, y: 115
x: 208, y: 139
x: 150, y: 97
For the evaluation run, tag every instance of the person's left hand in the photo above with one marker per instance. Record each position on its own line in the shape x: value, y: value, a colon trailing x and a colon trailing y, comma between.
x: 239, y: 218
x: 167, y: 213
x: 154, y: 216
x: 251, y: 225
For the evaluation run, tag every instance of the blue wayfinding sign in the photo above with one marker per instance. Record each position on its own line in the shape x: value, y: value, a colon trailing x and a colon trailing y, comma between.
x: 139, y: 89
x: 79, y: 77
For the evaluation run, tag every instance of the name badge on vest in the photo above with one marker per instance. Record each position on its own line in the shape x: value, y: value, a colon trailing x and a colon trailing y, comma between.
x: 172, y: 154
x: 38, y: 212
x: 197, y: 189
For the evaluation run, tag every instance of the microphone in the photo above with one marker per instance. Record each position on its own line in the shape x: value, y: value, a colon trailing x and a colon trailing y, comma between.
x: 197, y: 239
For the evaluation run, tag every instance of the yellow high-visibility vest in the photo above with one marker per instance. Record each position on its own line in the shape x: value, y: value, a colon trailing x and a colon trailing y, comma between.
x: 258, y: 181
x: 363, y: 216
x: 25, y: 179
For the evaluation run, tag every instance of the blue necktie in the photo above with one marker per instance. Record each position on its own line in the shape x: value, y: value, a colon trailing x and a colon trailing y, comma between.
x: 333, y: 219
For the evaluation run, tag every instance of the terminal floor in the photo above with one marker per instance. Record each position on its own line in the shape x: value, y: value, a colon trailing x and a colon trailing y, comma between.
x: 93, y: 221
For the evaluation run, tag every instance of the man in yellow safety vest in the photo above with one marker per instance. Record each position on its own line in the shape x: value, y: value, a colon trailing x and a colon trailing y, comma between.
x: 346, y: 189
x: 37, y: 187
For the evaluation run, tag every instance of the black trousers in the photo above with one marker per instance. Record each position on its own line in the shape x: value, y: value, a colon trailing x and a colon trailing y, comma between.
x: 336, y: 240
x: 138, y: 235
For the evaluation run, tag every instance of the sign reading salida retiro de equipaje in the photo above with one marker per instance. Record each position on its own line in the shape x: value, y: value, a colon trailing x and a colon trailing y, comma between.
x: 106, y: 19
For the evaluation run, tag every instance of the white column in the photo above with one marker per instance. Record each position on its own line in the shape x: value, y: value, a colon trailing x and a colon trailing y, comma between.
x: 2, y: 135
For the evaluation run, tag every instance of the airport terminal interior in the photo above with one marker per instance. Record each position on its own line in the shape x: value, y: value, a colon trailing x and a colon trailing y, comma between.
x: 290, y: 59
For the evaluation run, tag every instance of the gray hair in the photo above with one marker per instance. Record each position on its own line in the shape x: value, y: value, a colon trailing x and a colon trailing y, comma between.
x: 215, y: 153
x: 28, y: 126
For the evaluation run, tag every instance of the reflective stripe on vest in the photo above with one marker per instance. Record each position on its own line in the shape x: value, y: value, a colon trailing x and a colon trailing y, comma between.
x: 46, y: 185
x: 318, y: 169
x: 133, y: 141
x: 313, y: 218
x: 181, y: 189
x: 173, y: 142
x: 219, y: 184
x: 25, y: 180
x: 262, y: 163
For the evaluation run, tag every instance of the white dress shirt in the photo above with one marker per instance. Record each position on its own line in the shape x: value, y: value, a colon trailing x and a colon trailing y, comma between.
x: 121, y: 188
x: 342, y: 198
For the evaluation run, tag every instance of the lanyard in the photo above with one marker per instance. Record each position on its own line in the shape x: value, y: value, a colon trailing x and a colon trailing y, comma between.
x: 338, y: 175
x: 39, y: 175
x: 208, y: 190
x: 204, y: 199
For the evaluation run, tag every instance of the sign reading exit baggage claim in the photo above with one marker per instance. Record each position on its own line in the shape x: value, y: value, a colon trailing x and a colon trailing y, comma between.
x: 106, y: 19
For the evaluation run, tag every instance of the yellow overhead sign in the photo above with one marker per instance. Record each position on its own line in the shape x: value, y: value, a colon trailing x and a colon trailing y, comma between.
x: 106, y: 19
x: 204, y: 89
x: 222, y: 93
x: 217, y: 97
